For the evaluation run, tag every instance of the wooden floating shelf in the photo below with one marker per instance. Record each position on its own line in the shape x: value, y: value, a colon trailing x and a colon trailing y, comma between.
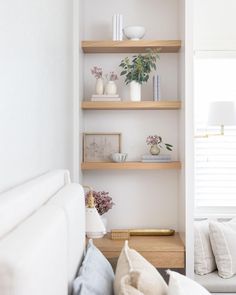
x: 130, y: 166
x: 128, y: 46
x: 128, y: 105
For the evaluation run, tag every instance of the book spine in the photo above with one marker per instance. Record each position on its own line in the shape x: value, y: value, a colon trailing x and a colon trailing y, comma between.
x: 114, y: 20
x: 158, y: 85
x: 154, y: 82
x: 156, y: 88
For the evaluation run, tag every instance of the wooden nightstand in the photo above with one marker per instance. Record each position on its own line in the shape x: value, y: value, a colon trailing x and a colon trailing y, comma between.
x: 161, y: 251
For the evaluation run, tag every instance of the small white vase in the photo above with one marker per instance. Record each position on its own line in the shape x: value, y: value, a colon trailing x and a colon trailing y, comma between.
x: 154, y: 150
x: 111, y: 88
x: 104, y: 220
x: 135, y: 91
x: 99, y: 89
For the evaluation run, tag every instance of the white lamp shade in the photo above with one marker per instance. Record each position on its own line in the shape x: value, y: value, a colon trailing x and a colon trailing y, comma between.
x: 94, y: 226
x: 222, y: 113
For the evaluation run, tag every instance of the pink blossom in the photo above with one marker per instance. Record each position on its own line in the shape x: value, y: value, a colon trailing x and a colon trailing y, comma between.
x: 96, y: 72
x: 103, y: 202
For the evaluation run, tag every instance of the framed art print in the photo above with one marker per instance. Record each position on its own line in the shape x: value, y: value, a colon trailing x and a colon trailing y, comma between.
x: 98, y: 147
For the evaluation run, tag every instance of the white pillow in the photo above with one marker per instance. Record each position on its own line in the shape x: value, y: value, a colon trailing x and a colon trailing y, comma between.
x: 181, y: 285
x: 204, y: 260
x: 223, y: 240
x: 133, y: 270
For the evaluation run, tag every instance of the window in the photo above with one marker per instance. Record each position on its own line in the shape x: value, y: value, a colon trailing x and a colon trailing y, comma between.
x: 215, y: 157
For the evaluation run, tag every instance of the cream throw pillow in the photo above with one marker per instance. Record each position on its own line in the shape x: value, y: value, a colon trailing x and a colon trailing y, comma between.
x: 204, y: 260
x: 223, y: 240
x: 135, y: 271
x: 181, y: 285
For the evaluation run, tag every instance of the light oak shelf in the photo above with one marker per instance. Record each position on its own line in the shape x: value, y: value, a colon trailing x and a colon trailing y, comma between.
x: 130, y: 166
x: 162, y: 252
x: 128, y: 105
x: 128, y: 46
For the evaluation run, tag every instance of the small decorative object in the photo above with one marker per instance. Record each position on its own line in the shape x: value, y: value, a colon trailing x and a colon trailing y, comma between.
x: 120, y: 234
x: 156, y: 88
x: 111, y: 88
x: 97, y: 73
x: 117, y: 23
x: 137, y: 71
x: 124, y: 234
x: 156, y: 143
x: 134, y: 32
x: 94, y: 225
x: 103, y: 203
x: 98, y: 147
x: 119, y: 157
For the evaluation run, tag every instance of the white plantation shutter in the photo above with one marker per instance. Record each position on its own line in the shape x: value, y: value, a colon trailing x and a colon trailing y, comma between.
x: 215, y: 169
x: 215, y: 157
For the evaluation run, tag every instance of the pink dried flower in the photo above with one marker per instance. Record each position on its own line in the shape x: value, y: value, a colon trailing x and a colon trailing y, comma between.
x: 112, y: 76
x: 103, y: 202
x: 157, y: 140
x: 96, y: 72
x: 153, y: 139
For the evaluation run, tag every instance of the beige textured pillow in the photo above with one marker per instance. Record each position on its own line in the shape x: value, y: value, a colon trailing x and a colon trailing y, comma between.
x: 223, y: 240
x: 135, y: 271
x: 204, y: 260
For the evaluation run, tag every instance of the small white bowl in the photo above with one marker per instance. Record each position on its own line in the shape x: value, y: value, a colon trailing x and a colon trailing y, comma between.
x: 134, y: 32
x: 119, y: 157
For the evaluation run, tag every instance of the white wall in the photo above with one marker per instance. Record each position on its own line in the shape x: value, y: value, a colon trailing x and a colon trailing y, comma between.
x: 143, y: 198
x: 36, y: 88
x: 215, y: 24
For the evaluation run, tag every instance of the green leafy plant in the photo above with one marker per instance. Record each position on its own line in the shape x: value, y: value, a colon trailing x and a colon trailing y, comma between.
x: 139, y: 67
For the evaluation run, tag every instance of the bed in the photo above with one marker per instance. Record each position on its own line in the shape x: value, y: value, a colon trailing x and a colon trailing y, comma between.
x: 42, y: 235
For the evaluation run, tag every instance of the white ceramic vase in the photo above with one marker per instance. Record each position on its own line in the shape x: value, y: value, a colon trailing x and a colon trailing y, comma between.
x: 135, y: 91
x: 104, y: 220
x: 99, y: 89
x: 111, y: 88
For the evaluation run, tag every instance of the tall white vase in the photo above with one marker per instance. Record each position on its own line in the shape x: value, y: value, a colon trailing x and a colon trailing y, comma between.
x: 135, y: 91
x: 99, y: 86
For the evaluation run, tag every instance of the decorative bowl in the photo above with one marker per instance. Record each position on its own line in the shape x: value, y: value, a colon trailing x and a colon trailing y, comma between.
x: 134, y: 32
x: 119, y: 157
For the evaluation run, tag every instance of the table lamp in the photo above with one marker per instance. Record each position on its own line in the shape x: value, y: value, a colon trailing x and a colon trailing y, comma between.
x: 221, y: 113
x: 94, y: 225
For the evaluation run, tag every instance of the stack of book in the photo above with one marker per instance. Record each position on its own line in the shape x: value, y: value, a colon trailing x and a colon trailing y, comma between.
x: 158, y: 158
x: 156, y: 88
x: 105, y: 97
x: 117, y: 23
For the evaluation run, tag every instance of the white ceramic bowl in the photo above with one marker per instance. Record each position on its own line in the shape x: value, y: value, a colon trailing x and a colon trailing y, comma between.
x: 134, y: 32
x: 119, y: 157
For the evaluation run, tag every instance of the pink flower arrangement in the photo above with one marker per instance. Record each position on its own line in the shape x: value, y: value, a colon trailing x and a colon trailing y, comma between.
x: 157, y: 140
x: 96, y: 72
x: 112, y: 76
x: 103, y: 202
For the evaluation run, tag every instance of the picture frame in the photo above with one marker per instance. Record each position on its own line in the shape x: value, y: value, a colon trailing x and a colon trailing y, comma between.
x: 98, y: 147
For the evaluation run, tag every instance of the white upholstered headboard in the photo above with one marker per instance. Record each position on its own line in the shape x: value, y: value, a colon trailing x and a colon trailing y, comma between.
x: 42, y: 235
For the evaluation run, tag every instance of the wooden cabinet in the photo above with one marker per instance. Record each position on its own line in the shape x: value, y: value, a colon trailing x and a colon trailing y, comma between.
x: 161, y: 251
